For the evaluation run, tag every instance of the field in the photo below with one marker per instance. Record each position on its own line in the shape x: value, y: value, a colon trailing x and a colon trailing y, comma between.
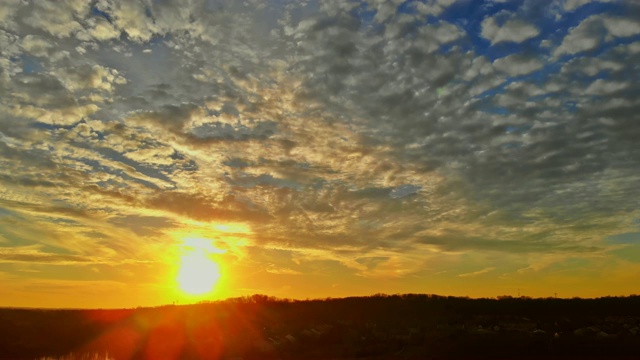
x: 381, y: 327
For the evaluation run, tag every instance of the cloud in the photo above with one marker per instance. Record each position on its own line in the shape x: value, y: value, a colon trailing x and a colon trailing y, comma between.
x: 433, y: 7
x: 534, y: 242
x: 130, y: 18
x: 586, y: 36
x: 621, y: 27
x: 35, y: 45
x: 173, y: 118
x: 404, y: 190
x: 365, y: 137
x: 516, y: 65
x: 199, y: 207
x: 57, y: 18
x: 94, y: 77
x: 8, y: 9
x: 571, y: 5
x: 602, y: 87
x: 35, y: 256
x: 282, y: 271
x: 221, y: 131
x: 99, y: 29
x: 591, y: 66
x: 513, y: 30
x: 144, y: 225
x: 477, y: 273
x: 591, y: 32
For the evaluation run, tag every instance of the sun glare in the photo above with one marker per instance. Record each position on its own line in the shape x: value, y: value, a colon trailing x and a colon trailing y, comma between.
x: 198, y: 272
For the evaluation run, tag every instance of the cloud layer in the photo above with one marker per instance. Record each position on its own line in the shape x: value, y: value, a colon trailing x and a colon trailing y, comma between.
x: 389, y: 140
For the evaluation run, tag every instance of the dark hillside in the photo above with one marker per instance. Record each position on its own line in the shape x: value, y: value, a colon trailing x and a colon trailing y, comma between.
x: 380, y: 326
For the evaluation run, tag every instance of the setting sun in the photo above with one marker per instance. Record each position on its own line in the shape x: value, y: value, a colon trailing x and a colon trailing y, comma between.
x: 198, y: 272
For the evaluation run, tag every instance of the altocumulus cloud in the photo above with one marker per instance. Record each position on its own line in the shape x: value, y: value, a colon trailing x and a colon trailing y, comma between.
x: 405, y: 132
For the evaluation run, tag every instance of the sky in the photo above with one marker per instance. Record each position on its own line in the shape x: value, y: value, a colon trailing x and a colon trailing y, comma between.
x: 318, y: 149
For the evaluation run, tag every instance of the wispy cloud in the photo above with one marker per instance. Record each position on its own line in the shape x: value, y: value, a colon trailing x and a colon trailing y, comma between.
x: 19, y: 255
x: 477, y: 273
x: 282, y: 271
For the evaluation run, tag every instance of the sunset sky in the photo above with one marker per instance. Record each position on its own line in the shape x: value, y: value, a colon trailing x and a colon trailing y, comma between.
x: 314, y: 149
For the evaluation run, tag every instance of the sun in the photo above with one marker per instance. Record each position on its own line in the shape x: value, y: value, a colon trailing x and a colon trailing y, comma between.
x: 198, y: 273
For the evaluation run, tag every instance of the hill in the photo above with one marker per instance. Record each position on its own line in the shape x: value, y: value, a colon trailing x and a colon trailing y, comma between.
x: 379, y: 326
